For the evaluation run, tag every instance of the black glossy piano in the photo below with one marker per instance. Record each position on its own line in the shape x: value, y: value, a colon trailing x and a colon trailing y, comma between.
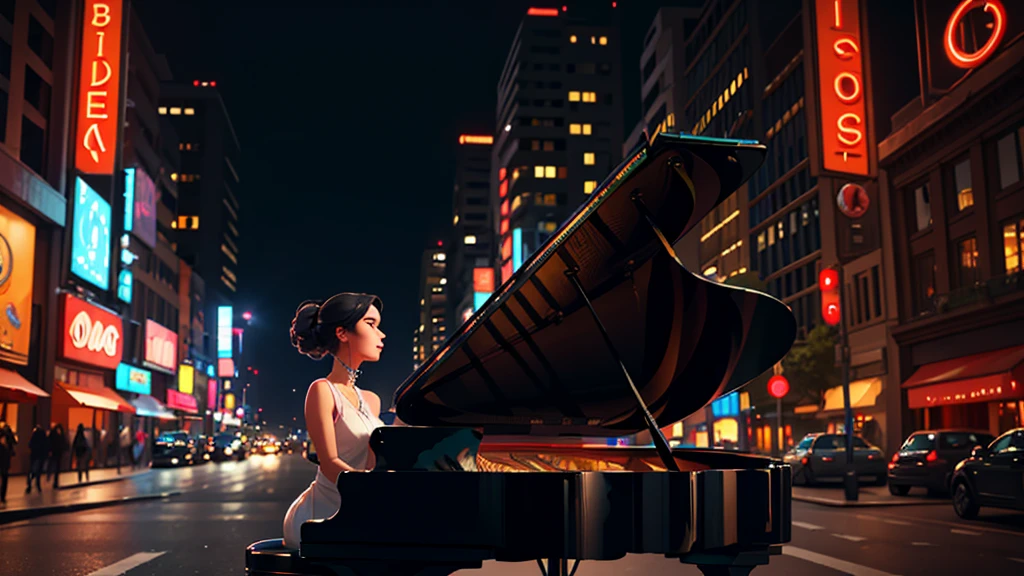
x: 601, y: 333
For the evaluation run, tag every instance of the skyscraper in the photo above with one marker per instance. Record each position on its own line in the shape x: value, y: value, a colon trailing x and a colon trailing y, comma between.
x: 472, y: 221
x: 559, y: 125
x: 433, y: 328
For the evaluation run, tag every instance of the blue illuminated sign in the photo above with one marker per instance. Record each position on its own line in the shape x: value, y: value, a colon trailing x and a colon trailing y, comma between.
x: 124, y: 286
x: 224, y: 319
x: 479, y: 299
x: 132, y: 379
x: 211, y: 371
x: 517, y: 248
x: 129, y: 198
x: 90, y: 236
x: 725, y: 406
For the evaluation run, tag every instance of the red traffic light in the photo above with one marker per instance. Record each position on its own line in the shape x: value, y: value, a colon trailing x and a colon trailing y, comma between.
x: 246, y: 315
x: 828, y: 284
x: 778, y: 386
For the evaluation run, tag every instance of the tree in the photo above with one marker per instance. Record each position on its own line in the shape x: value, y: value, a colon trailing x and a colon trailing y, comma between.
x: 809, y: 366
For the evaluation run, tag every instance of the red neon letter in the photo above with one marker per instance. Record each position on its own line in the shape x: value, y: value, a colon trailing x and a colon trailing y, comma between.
x: 849, y: 135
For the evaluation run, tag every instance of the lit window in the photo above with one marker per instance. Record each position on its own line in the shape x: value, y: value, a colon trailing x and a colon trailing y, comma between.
x: 589, y: 186
x: 174, y: 176
x: 575, y: 129
x: 551, y: 200
x: 549, y: 172
x: 588, y: 158
x: 762, y: 242
x: 455, y: 220
x: 572, y: 39
x: 444, y: 281
x: 538, y: 171
x: 515, y: 174
x: 550, y: 227
x: 471, y: 239
x: 603, y: 41
x: 590, y: 97
x: 563, y: 172
x: 175, y: 111
x: 439, y: 256
x: 574, y: 96
x: 162, y: 110
x: 517, y: 202
x: 593, y: 40
x: 190, y: 111
x: 587, y: 129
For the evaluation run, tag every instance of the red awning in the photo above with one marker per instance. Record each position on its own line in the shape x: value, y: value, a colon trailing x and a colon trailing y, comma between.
x: 14, y: 388
x: 986, y: 377
x: 102, y: 398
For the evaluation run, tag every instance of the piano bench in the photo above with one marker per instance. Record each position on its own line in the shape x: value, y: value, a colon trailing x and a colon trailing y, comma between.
x: 272, y: 558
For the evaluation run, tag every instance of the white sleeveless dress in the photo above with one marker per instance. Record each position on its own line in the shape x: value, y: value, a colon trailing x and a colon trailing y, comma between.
x: 352, y: 427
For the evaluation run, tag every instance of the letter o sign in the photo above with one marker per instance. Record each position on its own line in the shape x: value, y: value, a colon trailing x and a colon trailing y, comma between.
x: 950, y: 39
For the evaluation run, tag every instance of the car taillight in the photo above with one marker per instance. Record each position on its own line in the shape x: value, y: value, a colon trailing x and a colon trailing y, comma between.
x: 804, y: 460
x: 826, y: 459
x: 932, y: 456
x: 896, y: 457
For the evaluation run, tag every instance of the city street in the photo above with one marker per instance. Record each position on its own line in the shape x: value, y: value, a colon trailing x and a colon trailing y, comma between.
x: 223, y: 507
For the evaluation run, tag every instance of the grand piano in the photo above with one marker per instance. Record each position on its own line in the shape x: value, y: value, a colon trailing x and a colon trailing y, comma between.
x: 601, y: 333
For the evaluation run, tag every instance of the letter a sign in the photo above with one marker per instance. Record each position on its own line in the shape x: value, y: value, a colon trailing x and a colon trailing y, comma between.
x: 99, y: 87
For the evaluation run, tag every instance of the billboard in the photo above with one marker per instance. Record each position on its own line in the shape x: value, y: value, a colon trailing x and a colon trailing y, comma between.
x: 99, y: 92
x: 224, y: 319
x: 144, y: 208
x: 91, y: 335
x: 132, y: 379
x: 17, y: 261
x: 161, y: 347
x: 183, y: 402
x: 225, y: 368
x: 90, y: 236
x: 483, y: 280
x: 186, y: 378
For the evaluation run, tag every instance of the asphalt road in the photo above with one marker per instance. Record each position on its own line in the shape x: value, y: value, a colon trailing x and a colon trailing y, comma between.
x: 226, y: 506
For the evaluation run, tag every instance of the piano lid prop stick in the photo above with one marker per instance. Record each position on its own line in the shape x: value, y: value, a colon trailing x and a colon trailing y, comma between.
x: 660, y: 444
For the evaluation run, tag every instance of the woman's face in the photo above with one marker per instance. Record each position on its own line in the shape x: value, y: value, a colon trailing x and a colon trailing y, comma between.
x: 367, y: 340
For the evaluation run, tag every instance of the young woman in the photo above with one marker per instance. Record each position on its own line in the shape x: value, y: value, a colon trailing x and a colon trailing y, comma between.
x: 339, y: 416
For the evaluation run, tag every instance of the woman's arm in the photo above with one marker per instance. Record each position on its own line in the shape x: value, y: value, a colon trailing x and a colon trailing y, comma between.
x: 320, y: 423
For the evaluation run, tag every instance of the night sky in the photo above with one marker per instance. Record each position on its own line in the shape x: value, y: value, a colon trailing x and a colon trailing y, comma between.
x: 348, y: 115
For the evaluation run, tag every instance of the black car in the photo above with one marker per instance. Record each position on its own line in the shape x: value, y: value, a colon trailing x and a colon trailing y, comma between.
x: 992, y: 476
x: 823, y: 457
x: 927, y: 459
x: 174, y: 449
x: 228, y: 446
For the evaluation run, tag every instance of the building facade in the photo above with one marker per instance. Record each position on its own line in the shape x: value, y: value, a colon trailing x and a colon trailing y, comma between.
x: 558, y: 122
x: 952, y: 186
x: 471, y: 257
x: 433, y: 292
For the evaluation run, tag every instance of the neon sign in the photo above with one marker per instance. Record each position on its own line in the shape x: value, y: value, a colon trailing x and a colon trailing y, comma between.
x: 91, y: 335
x: 99, y: 80
x: 161, y: 346
x: 841, y: 87
x: 224, y: 320
x: 953, y: 44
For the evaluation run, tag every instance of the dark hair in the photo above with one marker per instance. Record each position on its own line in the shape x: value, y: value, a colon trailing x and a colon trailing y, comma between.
x: 314, y: 328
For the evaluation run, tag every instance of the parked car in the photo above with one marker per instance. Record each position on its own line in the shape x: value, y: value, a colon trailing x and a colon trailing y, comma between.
x: 823, y: 457
x: 174, y: 449
x: 927, y: 459
x: 992, y: 476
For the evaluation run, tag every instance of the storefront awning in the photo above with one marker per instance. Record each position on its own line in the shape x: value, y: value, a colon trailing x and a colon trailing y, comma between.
x: 863, y: 394
x: 986, y: 377
x: 149, y: 407
x: 15, y: 388
x: 101, y: 398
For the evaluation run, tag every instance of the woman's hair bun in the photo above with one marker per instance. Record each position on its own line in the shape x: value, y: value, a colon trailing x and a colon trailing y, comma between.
x: 304, y: 333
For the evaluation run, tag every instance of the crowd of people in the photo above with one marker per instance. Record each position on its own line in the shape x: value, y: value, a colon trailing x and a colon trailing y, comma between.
x: 50, y: 452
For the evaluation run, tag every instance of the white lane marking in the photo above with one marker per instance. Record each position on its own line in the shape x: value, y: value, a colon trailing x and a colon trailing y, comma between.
x: 1018, y: 560
x: 833, y: 563
x: 897, y: 522
x: 965, y: 532
x: 118, y: 568
x: 850, y: 538
x: 921, y: 544
x: 957, y: 524
x: 806, y: 526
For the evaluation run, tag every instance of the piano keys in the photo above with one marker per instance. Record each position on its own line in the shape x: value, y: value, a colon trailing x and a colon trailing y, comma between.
x: 602, y: 332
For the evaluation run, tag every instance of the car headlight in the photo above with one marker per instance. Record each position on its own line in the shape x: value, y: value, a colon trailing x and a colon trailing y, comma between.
x: 174, y: 461
x: 228, y: 451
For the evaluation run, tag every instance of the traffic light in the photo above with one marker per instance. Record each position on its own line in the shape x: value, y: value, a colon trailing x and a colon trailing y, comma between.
x: 828, y: 284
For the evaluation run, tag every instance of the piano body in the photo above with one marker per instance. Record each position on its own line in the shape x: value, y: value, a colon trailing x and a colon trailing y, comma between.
x: 602, y: 332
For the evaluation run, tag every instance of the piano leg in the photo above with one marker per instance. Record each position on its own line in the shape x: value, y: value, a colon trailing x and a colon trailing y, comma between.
x: 558, y: 567
x: 736, y: 564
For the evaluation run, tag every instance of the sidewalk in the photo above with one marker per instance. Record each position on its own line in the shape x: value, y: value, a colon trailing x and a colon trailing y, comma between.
x: 105, y: 487
x: 832, y: 495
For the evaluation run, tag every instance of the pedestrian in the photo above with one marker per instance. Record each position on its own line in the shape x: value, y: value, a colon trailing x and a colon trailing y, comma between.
x: 82, y: 451
x: 58, y: 446
x: 140, y: 446
x: 126, y: 444
x: 6, y: 452
x: 38, y: 452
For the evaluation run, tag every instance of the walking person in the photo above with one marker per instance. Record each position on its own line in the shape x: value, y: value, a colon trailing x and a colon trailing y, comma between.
x: 38, y: 452
x: 82, y: 451
x: 58, y: 446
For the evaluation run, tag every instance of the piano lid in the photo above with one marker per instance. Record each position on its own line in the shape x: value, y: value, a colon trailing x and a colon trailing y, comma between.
x: 532, y: 360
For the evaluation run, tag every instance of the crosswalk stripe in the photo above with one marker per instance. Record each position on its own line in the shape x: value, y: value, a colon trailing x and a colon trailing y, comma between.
x: 118, y: 568
x: 833, y: 563
x: 806, y: 526
x: 850, y: 538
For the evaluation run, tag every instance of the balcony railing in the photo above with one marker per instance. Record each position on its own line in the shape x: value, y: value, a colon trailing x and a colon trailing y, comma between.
x: 981, y: 292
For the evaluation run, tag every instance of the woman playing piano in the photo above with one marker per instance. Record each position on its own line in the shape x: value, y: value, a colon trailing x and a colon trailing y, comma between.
x: 339, y: 416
